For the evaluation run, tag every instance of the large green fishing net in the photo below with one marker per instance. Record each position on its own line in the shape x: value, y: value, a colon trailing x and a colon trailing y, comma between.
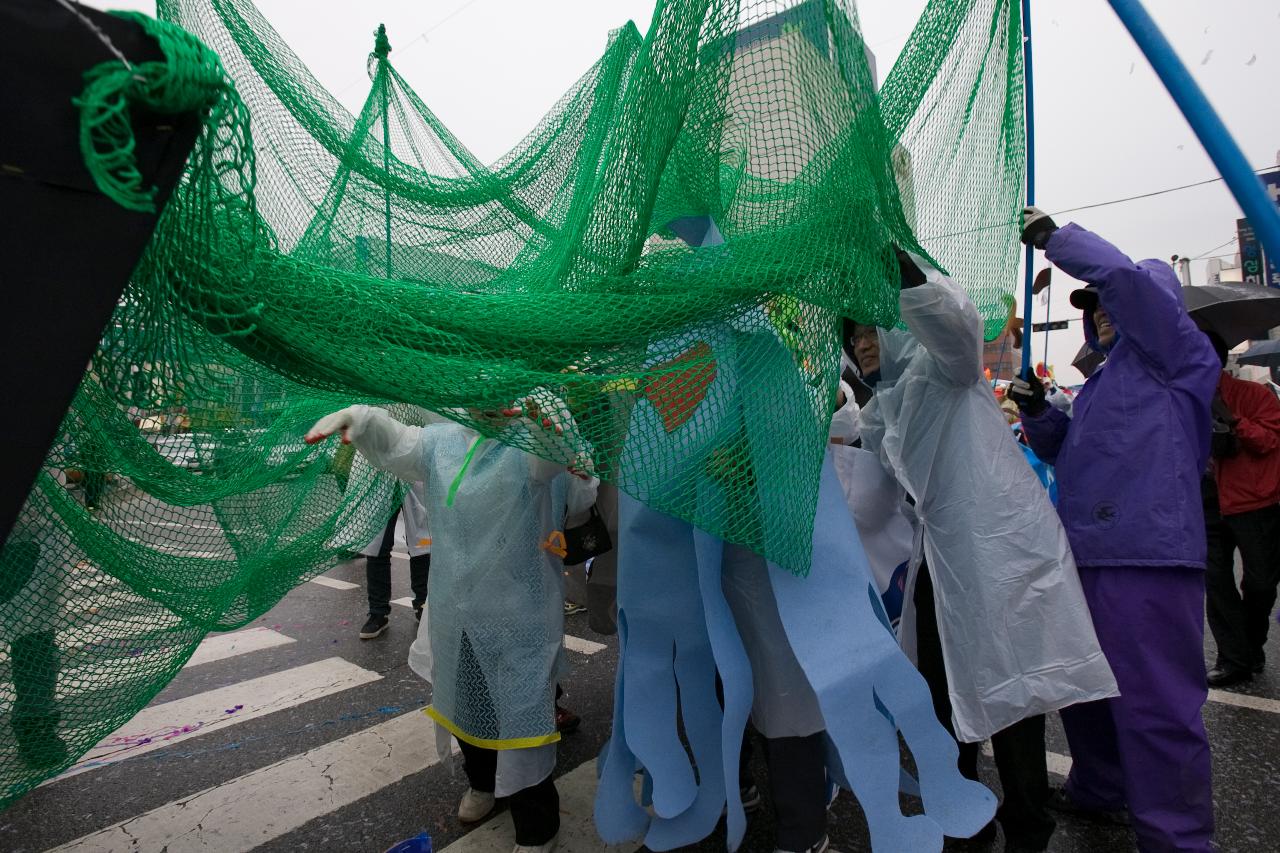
x: 705, y: 203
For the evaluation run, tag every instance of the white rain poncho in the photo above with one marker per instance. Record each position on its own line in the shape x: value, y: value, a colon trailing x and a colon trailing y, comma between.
x: 875, y: 502
x: 412, y: 527
x: 1017, y: 638
x: 490, y: 640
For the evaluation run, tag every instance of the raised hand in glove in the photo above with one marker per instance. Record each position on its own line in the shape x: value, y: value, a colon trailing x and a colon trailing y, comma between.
x: 1037, y: 227
x: 1027, y: 391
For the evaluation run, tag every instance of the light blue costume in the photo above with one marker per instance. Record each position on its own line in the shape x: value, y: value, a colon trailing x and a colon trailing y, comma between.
x: 677, y: 630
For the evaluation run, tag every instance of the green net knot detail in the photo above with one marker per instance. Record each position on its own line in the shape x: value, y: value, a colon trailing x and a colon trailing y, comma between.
x: 191, y: 78
x: 381, y: 45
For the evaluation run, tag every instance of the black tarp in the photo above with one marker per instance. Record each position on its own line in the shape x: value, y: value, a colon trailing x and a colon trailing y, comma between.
x: 66, y: 251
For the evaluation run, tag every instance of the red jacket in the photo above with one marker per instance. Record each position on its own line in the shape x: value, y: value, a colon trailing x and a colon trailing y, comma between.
x: 1250, y: 479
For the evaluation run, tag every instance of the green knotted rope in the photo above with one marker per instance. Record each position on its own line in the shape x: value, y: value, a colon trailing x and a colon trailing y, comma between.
x: 190, y: 78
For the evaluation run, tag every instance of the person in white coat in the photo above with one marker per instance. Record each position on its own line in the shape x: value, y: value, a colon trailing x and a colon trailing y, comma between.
x: 875, y: 502
x: 994, y: 607
x: 490, y: 639
x: 411, y: 517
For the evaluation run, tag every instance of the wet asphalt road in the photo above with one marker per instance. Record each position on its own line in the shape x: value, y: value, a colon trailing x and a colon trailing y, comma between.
x: 322, y: 622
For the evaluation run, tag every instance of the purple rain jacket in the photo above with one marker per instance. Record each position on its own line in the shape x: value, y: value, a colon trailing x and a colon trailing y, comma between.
x: 1129, y: 458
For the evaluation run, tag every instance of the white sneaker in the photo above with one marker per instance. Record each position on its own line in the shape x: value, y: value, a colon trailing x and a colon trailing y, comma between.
x: 541, y: 848
x: 475, y: 806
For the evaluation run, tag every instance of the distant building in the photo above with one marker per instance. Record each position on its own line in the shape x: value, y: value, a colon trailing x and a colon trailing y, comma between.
x: 1216, y: 272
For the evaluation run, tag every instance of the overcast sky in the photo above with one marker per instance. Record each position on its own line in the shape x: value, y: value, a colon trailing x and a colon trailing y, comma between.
x: 1105, y: 127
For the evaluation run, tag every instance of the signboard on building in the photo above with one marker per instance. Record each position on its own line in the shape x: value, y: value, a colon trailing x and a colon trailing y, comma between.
x: 1271, y: 180
x: 1252, y: 266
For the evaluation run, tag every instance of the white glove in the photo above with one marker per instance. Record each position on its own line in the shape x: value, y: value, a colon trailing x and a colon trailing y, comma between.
x: 844, y: 423
x: 381, y: 439
x: 350, y: 421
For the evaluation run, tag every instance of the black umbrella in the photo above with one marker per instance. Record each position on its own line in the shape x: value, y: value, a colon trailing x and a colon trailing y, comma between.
x: 1237, y: 312
x: 1264, y: 354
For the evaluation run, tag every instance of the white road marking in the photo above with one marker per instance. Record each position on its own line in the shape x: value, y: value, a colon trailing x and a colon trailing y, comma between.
x: 163, y: 725
x: 334, y: 583
x: 577, y: 823
x: 143, y: 663
x: 1241, y: 700
x: 116, y: 632
x: 250, y: 810
x: 225, y: 554
x: 586, y: 647
x: 1059, y: 765
x: 572, y: 643
x: 222, y: 646
x: 183, y: 525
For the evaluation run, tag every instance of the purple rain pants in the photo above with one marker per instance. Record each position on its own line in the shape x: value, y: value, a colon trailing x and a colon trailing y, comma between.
x: 1147, y: 749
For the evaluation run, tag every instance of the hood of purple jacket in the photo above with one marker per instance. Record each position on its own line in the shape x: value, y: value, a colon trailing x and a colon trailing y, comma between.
x: 1130, y: 458
x: 1151, y: 265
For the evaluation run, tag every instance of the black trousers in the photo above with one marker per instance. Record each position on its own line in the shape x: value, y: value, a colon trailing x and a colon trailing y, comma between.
x: 798, y: 782
x: 377, y: 574
x: 1019, y: 749
x: 1239, y: 616
x: 95, y: 483
x: 535, y: 810
x: 35, y: 717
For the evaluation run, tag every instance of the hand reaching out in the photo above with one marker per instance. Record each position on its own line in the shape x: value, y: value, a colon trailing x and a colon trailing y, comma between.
x: 533, y: 412
x: 347, y: 421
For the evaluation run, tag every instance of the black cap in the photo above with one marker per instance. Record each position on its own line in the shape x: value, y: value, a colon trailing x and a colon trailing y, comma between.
x: 1085, y: 298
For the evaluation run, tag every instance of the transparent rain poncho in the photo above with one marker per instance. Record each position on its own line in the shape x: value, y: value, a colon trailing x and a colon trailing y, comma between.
x: 494, y: 619
x: 1017, y: 637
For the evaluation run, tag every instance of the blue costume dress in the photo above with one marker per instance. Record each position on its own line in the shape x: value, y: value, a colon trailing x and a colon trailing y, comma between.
x: 677, y: 630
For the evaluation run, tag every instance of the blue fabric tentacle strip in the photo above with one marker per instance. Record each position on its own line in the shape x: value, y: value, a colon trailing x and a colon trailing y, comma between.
x: 854, y: 665
x: 735, y: 677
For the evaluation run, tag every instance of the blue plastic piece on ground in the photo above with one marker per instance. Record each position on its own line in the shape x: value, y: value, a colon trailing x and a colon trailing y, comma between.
x: 420, y: 843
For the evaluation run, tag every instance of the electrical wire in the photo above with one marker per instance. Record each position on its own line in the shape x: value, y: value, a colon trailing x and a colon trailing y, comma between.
x: 1205, y: 253
x: 1099, y: 204
x: 420, y: 37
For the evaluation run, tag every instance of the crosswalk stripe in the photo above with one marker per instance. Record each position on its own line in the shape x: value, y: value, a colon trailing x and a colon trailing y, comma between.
x: 109, y: 632
x: 122, y: 666
x: 586, y: 647
x: 180, y: 525
x: 118, y: 632
x: 1059, y: 765
x: 1243, y: 700
x: 179, y: 551
x: 222, y: 646
x: 163, y: 725
x: 334, y: 583
x: 577, y: 822
x: 250, y: 810
x: 119, y: 635
x: 572, y: 643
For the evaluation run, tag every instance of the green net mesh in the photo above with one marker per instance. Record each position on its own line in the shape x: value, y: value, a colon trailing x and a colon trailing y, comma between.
x: 310, y: 259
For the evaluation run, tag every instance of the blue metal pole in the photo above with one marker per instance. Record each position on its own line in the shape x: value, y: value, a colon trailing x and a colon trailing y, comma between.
x: 1031, y: 177
x: 1213, y: 134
